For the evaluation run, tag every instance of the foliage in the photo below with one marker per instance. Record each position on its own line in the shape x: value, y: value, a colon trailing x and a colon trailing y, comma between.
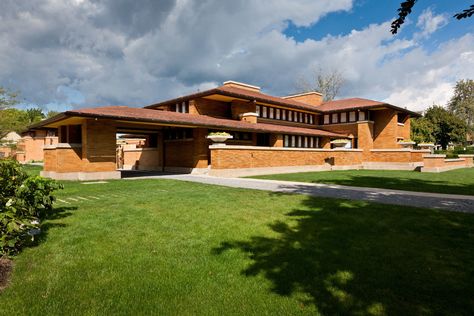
x: 446, y: 126
x: 7, y: 98
x: 52, y: 113
x: 24, y: 201
x: 422, y: 130
x: 18, y: 120
x: 327, y: 83
x: 406, y: 8
x: 462, y: 102
x: 219, y: 134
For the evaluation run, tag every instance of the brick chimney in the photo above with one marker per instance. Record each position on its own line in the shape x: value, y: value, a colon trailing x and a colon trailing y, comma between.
x: 311, y: 98
x: 241, y: 85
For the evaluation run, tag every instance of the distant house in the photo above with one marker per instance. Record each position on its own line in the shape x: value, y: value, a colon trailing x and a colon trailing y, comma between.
x: 8, y: 144
x: 268, y: 134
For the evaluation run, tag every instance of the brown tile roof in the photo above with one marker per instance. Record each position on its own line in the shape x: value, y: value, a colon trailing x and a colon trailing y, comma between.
x: 243, y: 94
x: 358, y: 103
x: 182, y: 119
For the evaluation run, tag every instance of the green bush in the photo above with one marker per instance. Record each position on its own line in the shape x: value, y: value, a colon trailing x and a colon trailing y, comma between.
x: 24, y: 202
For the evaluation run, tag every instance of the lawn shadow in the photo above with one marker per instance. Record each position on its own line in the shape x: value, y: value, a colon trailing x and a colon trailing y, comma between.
x: 51, y: 221
x: 407, y: 184
x: 351, y: 257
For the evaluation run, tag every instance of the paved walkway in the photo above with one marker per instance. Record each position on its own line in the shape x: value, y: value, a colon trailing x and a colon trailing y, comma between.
x: 459, y: 203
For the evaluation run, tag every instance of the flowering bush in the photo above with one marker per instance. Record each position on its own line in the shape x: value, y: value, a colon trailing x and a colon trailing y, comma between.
x: 219, y: 134
x: 24, y: 201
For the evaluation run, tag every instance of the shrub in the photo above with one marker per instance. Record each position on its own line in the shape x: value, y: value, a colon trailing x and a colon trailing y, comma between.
x: 24, y: 202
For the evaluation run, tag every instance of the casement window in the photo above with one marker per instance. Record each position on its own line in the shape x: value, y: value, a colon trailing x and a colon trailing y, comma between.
x: 264, y: 111
x: 257, y: 109
x: 343, y: 117
x: 71, y: 134
x: 297, y: 141
x: 326, y: 119
x: 277, y: 114
x: 301, y: 118
x: 362, y: 116
x: 182, y: 107
x: 335, y: 118
x: 178, y: 133
x: 283, y: 115
x: 311, y: 119
x: 271, y: 113
x: 352, y: 116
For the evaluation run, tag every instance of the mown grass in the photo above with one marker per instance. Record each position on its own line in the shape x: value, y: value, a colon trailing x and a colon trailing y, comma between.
x: 460, y: 181
x: 177, y: 248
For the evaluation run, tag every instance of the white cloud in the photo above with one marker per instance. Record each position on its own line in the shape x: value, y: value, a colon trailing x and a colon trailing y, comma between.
x: 430, y: 23
x: 115, y: 52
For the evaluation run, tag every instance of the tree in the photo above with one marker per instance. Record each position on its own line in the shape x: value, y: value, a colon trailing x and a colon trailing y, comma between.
x: 405, y: 10
x: 7, y: 98
x: 462, y: 102
x: 328, y: 83
x: 421, y: 130
x: 34, y: 115
x: 446, y: 126
x: 12, y: 120
x: 52, y: 113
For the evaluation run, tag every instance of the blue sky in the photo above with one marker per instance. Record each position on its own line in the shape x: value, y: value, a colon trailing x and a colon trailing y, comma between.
x: 83, y: 53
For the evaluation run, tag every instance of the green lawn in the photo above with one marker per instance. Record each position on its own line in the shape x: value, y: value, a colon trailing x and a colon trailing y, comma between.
x: 460, y: 181
x: 168, y: 247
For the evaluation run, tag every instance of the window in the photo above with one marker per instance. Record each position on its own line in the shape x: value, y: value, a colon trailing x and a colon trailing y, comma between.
x: 264, y: 109
x: 71, y: 134
x: 326, y: 119
x: 182, y: 107
x: 283, y: 115
x: 361, y: 116
x: 300, y: 141
x: 263, y: 140
x: 352, y: 116
x: 335, y: 118
x: 258, y: 110
x: 277, y: 114
x: 343, y: 117
x: 301, y: 118
x: 178, y: 133
x: 271, y: 113
x: 311, y: 119
x: 290, y: 116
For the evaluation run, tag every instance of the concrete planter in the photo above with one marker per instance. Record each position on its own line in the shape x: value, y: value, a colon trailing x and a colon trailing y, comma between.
x: 340, y: 143
x: 406, y: 144
x: 219, y: 139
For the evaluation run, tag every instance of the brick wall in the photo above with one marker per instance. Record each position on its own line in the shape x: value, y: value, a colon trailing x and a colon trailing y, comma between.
x: 231, y: 158
x: 142, y: 159
x: 240, y: 107
x: 404, y: 130
x: 311, y: 98
x: 396, y: 155
x: 385, y: 128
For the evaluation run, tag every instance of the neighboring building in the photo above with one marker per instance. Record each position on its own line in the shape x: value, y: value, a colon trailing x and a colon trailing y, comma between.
x: 30, y: 146
x: 270, y: 134
x: 8, y: 145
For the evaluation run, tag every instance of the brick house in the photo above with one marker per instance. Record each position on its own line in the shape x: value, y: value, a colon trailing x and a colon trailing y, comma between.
x: 270, y: 134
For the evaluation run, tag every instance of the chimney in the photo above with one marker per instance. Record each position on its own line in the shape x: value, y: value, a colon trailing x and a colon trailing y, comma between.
x: 240, y: 85
x: 311, y: 98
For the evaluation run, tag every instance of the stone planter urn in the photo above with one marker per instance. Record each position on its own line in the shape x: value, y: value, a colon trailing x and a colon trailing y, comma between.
x: 339, y: 143
x: 426, y: 146
x: 219, y: 138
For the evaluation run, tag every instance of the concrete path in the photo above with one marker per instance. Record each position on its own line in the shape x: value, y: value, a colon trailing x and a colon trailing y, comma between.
x: 451, y: 202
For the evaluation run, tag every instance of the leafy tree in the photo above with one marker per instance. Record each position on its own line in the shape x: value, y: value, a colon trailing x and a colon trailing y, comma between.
x: 328, y: 83
x: 462, y: 102
x: 12, y: 120
x: 7, y: 98
x: 405, y: 10
x: 34, y: 115
x: 447, y: 127
x: 52, y: 113
x: 422, y: 130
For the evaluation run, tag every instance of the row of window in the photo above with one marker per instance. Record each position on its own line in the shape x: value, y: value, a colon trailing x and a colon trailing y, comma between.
x: 298, y: 141
x: 178, y: 133
x: 182, y: 107
x: 285, y: 115
x: 344, y: 117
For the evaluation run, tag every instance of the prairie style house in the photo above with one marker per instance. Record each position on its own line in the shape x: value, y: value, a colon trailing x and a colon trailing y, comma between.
x: 269, y: 134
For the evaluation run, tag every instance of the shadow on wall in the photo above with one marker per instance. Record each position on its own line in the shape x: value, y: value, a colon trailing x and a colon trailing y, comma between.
x: 360, y: 258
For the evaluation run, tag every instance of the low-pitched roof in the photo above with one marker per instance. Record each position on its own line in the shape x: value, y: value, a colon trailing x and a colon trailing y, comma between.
x: 238, y: 93
x: 358, y: 103
x: 182, y: 119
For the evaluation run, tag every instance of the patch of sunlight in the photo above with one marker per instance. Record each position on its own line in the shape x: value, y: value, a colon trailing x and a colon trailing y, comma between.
x: 376, y: 309
x: 333, y: 285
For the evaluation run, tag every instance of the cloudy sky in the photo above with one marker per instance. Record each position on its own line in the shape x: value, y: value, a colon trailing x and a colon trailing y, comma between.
x: 78, y: 53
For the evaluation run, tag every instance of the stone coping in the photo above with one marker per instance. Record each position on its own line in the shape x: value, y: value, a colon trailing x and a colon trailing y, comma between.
x: 239, y: 147
x: 63, y: 145
x: 466, y: 155
x: 140, y: 149
x: 454, y: 160
x: 434, y: 156
x: 401, y: 150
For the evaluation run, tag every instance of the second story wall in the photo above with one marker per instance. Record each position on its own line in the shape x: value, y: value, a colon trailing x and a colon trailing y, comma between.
x: 385, y: 128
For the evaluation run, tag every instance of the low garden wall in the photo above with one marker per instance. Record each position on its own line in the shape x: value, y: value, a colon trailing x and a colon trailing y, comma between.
x: 439, y: 163
x: 253, y: 157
